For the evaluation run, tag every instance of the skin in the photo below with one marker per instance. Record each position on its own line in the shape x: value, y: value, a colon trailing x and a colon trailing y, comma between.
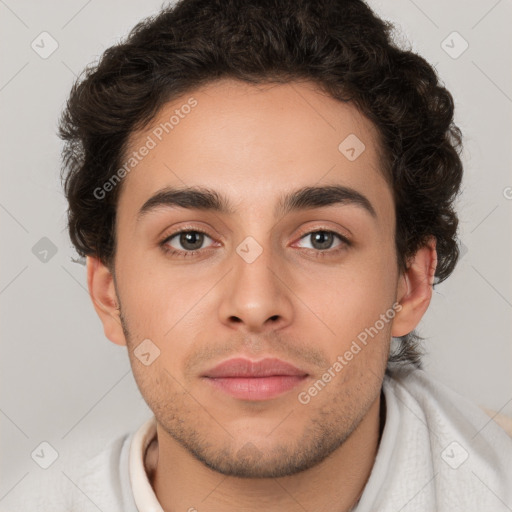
x: 253, y: 144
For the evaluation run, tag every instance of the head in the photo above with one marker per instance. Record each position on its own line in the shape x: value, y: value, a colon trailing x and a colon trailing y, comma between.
x: 262, y: 178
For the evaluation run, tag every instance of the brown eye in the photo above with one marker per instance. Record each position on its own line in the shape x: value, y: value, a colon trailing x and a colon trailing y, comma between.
x: 323, y: 240
x: 186, y: 240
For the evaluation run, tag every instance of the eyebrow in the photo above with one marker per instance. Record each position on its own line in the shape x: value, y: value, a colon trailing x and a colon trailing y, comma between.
x: 207, y: 199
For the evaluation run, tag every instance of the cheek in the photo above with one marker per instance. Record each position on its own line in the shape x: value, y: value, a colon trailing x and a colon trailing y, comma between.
x: 350, y: 297
x: 167, y: 306
x: 153, y: 293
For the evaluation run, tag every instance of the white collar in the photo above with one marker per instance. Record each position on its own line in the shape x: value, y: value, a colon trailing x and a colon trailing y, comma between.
x: 423, y: 419
x: 143, y: 493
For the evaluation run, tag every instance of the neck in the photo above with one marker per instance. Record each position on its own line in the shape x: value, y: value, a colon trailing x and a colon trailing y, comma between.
x: 181, y: 482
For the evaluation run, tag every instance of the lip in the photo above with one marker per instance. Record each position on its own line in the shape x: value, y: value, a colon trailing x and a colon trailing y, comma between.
x: 254, y: 380
x: 242, y: 367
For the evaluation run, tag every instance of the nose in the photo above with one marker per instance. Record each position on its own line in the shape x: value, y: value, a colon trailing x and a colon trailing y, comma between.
x: 256, y: 297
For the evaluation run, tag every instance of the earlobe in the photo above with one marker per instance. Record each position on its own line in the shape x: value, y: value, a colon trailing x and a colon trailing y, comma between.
x: 415, y: 289
x: 104, y: 298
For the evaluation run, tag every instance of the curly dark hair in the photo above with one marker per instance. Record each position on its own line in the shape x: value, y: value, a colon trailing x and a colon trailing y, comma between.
x: 340, y: 45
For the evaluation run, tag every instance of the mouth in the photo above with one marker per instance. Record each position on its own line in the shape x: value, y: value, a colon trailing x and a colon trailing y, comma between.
x: 254, y: 380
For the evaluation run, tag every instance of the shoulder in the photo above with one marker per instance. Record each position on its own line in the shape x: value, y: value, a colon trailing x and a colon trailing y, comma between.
x: 104, y: 478
x: 445, y: 410
x: 86, y: 475
x: 115, y: 479
x: 460, y: 444
x: 505, y: 422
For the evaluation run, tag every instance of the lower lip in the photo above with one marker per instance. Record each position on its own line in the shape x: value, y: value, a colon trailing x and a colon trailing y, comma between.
x: 256, y: 388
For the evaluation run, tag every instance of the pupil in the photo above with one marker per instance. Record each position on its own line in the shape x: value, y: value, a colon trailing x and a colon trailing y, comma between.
x: 323, y: 238
x: 194, y: 238
x: 191, y: 238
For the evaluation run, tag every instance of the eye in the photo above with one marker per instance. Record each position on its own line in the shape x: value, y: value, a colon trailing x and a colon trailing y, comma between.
x: 189, y: 242
x: 185, y: 241
x: 323, y: 240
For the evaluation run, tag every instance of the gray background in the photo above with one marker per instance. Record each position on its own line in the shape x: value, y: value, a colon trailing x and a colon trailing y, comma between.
x: 63, y: 382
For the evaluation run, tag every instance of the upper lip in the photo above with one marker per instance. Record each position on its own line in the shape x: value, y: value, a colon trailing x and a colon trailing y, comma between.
x: 241, y: 367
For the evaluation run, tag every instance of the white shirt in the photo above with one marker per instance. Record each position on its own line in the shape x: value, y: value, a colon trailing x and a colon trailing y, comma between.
x: 438, y: 452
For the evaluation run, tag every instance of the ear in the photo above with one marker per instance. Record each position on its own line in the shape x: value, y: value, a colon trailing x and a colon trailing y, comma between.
x: 104, y: 298
x: 415, y: 289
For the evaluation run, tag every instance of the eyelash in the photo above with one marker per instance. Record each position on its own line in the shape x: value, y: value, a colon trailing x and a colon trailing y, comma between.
x: 187, y: 254
x: 182, y: 254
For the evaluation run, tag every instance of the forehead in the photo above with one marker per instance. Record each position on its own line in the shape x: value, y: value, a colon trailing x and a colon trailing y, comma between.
x: 254, y: 142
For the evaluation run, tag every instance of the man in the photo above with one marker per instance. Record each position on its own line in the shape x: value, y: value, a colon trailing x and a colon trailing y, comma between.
x: 264, y: 193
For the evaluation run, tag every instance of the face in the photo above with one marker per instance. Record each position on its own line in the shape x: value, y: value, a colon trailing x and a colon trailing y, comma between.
x: 275, y: 270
